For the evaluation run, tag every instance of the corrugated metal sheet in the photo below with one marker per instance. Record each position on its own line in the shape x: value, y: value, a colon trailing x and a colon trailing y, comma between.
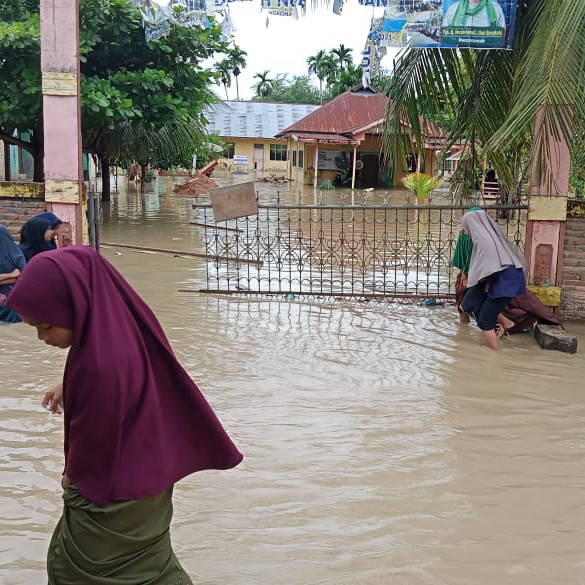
x: 232, y: 119
x: 347, y: 112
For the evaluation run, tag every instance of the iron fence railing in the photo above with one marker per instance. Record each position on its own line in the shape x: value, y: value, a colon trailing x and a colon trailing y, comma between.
x: 362, y: 251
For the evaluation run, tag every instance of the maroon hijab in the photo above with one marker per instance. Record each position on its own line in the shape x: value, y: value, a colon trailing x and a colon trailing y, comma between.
x: 135, y: 422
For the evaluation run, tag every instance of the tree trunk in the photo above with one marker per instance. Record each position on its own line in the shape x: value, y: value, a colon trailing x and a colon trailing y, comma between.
x: 105, y: 163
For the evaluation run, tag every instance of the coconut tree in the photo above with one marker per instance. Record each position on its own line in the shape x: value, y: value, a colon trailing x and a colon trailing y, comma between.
x: 330, y: 70
x: 501, y: 100
x: 264, y: 84
x: 237, y: 60
x: 343, y: 55
x: 319, y: 65
x: 225, y: 74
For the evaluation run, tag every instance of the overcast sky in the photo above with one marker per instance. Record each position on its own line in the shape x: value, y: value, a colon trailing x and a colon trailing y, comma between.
x: 285, y: 45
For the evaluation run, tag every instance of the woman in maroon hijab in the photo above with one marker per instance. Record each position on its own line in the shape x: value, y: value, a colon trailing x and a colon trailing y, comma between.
x: 135, y: 422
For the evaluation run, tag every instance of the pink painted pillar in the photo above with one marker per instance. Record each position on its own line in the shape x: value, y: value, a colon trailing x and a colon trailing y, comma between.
x: 62, y: 114
x: 545, y: 232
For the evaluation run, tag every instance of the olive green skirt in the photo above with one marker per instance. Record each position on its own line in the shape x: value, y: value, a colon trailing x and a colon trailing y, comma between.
x: 122, y: 543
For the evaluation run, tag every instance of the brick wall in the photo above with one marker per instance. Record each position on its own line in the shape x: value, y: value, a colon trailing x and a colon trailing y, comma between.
x: 573, y: 285
x: 14, y: 212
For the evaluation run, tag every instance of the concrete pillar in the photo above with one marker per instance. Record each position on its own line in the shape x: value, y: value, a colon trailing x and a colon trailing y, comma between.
x: 545, y: 232
x: 316, y: 165
x: 353, y: 168
x: 61, y: 112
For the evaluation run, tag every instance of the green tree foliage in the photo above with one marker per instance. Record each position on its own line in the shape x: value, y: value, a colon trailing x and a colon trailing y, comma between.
x: 20, y: 77
x: 224, y: 74
x: 299, y: 90
x: 139, y: 100
x: 320, y: 65
x: 334, y: 68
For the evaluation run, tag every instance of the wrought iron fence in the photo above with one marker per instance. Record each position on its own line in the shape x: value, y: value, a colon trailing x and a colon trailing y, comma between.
x: 360, y: 251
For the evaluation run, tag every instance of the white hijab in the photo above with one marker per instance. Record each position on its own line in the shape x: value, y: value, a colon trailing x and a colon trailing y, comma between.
x: 491, y: 250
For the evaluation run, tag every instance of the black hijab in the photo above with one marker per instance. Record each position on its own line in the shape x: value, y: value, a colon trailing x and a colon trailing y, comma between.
x: 32, y: 237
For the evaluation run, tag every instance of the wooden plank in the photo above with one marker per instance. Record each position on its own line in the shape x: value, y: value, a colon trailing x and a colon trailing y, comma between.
x: 216, y: 227
x: 181, y: 253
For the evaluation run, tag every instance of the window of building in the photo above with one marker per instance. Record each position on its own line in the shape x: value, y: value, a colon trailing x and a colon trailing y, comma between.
x: 301, y: 153
x: 258, y: 147
x: 294, y: 158
x: 278, y: 152
x: 229, y: 149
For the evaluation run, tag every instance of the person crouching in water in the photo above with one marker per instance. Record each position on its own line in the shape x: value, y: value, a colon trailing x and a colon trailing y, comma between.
x: 496, y: 274
x: 135, y: 422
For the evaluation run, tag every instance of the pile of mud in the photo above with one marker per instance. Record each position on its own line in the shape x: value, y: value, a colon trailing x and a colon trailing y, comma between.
x: 198, y: 185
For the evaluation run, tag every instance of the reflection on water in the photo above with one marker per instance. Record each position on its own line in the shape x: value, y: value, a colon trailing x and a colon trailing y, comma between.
x: 383, y: 443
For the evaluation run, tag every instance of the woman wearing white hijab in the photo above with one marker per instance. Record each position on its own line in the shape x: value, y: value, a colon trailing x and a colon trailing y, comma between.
x: 496, y: 273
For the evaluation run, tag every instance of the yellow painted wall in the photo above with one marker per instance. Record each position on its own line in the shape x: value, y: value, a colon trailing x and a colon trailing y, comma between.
x: 22, y: 190
x: 245, y: 147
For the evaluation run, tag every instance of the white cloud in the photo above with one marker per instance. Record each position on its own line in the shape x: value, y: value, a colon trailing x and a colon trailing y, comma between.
x: 285, y: 45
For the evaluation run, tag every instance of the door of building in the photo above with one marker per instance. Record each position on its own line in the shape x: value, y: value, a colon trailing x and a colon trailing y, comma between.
x: 369, y: 172
x: 258, y: 157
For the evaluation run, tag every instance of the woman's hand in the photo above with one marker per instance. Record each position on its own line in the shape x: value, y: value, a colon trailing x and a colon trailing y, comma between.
x: 53, y: 399
x: 9, y: 277
x: 65, y: 482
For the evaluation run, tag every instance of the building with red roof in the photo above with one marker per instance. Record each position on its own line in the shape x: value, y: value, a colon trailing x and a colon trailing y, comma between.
x: 341, y: 143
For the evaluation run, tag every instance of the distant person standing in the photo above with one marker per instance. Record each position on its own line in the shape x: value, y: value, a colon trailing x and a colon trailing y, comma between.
x: 475, y: 13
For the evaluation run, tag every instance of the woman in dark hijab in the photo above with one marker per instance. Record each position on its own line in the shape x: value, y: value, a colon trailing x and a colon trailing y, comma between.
x: 12, y: 262
x: 36, y: 236
x: 56, y: 223
x: 135, y: 422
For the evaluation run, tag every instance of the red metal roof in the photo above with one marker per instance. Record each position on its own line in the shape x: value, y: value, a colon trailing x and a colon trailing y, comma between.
x: 348, y: 111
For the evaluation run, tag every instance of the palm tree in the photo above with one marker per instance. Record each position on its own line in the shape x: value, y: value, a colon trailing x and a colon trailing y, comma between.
x: 330, y: 70
x: 347, y: 78
x: 264, y: 84
x: 225, y: 74
x: 501, y: 101
x: 237, y: 60
x: 343, y: 55
x: 319, y: 65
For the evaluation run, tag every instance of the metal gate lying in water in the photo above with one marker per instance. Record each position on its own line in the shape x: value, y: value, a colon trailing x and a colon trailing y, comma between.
x: 359, y: 251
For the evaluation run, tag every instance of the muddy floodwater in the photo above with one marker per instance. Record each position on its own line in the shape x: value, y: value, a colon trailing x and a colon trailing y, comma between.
x: 383, y: 444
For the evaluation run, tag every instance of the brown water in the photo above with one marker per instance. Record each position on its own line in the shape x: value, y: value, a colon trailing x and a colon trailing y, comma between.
x: 383, y: 444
